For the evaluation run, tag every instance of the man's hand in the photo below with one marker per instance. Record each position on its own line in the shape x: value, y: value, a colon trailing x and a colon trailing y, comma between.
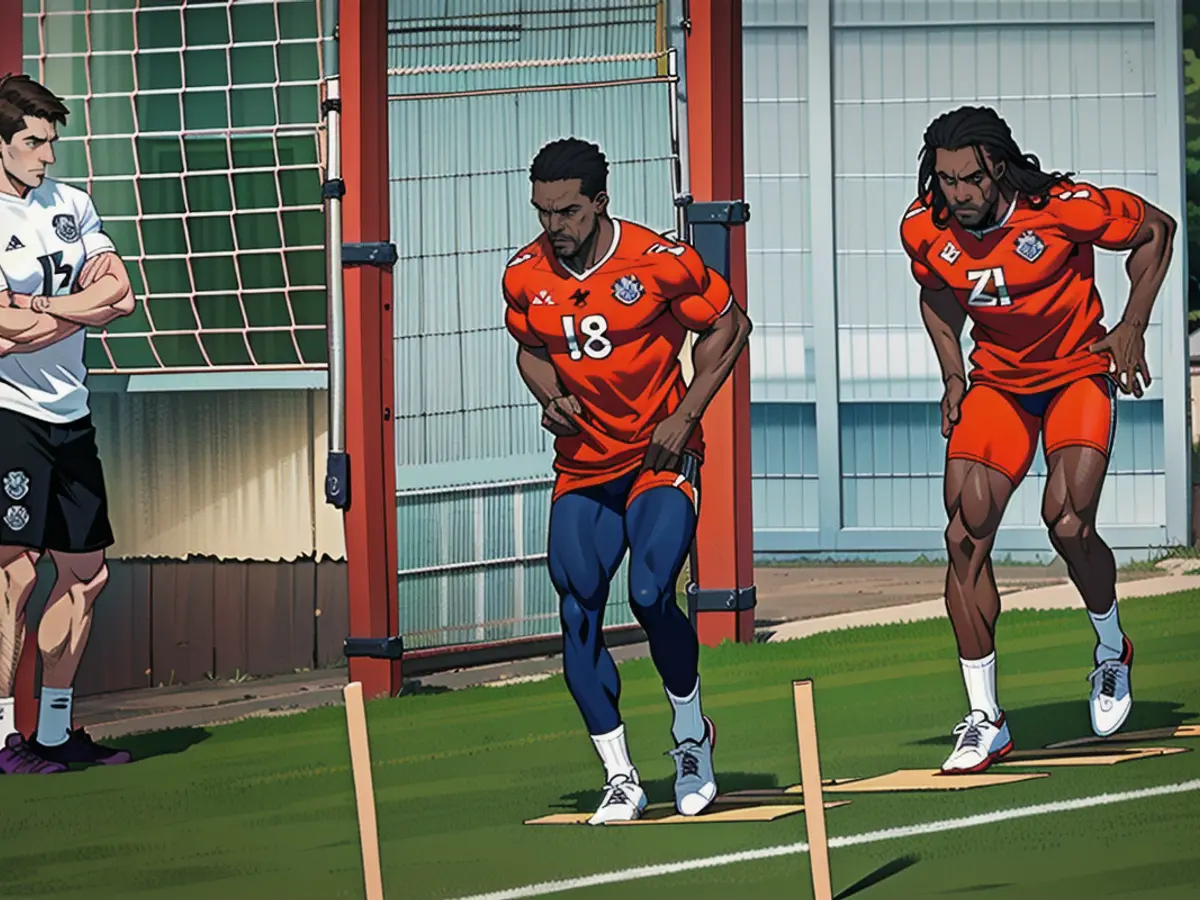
x: 667, y: 443
x: 93, y: 270
x: 40, y: 304
x: 560, y: 414
x: 952, y: 398
x: 1126, y: 346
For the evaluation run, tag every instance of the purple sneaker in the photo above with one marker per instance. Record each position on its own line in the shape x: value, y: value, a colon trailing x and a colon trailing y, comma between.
x: 19, y: 758
x: 80, y: 748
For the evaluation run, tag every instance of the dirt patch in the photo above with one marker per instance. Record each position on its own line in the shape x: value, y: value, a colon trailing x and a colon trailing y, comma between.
x: 806, y: 591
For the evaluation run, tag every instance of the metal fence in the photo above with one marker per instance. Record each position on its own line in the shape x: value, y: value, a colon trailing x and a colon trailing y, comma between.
x: 473, y: 463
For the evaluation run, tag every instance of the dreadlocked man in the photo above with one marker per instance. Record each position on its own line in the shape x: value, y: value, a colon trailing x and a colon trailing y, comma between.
x: 993, y: 237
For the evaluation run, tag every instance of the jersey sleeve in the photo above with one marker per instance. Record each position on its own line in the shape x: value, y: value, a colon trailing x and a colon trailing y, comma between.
x: 1106, y: 217
x: 916, y: 244
x: 516, y: 313
x: 91, y: 229
x: 697, y: 295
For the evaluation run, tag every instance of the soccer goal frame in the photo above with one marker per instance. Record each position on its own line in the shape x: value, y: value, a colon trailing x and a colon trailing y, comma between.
x: 361, y: 477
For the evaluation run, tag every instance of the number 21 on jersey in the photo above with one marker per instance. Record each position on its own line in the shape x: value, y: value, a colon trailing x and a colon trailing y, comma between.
x: 594, y: 330
x: 988, y: 288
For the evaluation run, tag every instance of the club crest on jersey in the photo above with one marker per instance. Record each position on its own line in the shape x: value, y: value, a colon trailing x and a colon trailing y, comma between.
x: 950, y: 253
x: 16, y: 518
x: 16, y: 484
x: 1029, y: 246
x: 628, y: 289
x: 542, y: 298
x: 65, y: 228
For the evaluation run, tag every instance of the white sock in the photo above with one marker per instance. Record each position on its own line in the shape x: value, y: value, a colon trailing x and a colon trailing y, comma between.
x: 1108, y: 633
x: 979, y: 675
x: 54, y: 716
x: 8, y: 719
x: 689, y: 721
x: 614, y: 754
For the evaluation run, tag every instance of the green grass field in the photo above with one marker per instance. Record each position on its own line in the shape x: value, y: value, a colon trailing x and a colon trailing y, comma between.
x: 264, y: 809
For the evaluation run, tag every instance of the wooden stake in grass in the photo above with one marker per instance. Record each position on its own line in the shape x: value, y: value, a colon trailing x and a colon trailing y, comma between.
x: 810, y: 786
x: 364, y: 790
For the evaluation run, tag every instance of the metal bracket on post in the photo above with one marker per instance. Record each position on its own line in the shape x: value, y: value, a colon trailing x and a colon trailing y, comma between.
x: 374, y: 648
x: 380, y: 254
x: 709, y: 223
x: 710, y: 600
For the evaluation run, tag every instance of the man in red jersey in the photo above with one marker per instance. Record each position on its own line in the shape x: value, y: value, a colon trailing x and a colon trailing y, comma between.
x: 995, y: 238
x: 600, y: 309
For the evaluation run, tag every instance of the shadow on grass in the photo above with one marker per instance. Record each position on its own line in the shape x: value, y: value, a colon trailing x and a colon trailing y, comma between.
x: 663, y: 790
x: 887, y: 870
x: 978, y: 888
x: 417, y: 686
x: 1033, y: 727
x: 160, y: 743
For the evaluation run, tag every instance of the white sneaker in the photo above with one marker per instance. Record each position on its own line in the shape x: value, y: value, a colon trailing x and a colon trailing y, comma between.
x: 980, y: 743
x: 1112, y: 697
x: 695, y: 783
x: 624, y: 801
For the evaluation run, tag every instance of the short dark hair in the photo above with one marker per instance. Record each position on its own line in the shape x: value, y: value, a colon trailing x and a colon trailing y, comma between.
x: 982, y: 128
x: 21, y: 96
x: 569, y: 158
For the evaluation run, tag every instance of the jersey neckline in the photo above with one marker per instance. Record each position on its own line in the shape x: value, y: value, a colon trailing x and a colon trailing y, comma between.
x: 588, y: 273
x: 982, y: 232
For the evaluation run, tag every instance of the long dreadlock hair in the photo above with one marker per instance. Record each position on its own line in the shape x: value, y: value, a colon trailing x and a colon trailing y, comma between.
x: 981, y: 128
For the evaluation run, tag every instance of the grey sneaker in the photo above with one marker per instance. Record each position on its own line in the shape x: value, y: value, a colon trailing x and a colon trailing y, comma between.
x: 695, y: 783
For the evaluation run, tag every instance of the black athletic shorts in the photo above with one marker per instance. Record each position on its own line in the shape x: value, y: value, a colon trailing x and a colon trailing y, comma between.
x: 51, y: 486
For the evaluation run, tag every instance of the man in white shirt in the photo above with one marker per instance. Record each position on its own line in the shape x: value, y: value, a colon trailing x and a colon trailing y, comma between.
x: 59, y: 274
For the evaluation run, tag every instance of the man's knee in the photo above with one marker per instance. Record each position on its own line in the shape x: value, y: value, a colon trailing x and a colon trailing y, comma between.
x: 88, y: 571
x: 1068, y: 529
x: 645, y: 600
x: 577, y: 621
x: 967, y: 537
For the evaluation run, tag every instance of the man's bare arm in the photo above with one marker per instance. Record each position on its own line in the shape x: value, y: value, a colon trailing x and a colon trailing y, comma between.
x: 714, y: 354
x: 21, y: 326
x: 539, y: 375
x: 944, y: 318
x: 1147, y: 264
x: 43, y: 338
x: 105, y: 294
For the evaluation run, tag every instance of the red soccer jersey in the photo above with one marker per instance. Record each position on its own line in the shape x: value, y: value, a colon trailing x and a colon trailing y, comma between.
x: 614, y: 334
x: 1027, y: 283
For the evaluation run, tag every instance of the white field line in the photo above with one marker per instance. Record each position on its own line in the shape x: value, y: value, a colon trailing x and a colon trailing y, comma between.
x: 870, y: 837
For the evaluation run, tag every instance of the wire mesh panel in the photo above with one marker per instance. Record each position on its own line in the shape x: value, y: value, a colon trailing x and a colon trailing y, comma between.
x: 474, y: 96
x: 194, y: 127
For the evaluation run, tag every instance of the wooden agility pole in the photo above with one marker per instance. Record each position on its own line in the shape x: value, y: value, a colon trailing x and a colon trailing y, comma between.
x: 810, y: 786
x: 364, y: 789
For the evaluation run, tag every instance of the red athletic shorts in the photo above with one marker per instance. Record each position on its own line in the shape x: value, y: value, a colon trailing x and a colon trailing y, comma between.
x: 1001, y: 430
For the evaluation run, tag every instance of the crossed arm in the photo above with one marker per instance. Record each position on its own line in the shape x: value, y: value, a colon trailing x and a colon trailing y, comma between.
x: 103, y: 293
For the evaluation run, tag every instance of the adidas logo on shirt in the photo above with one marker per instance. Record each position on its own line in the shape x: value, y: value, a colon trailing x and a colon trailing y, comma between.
x: 14, y: 243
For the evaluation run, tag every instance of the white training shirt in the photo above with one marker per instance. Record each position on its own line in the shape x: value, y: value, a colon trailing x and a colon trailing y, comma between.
x: 45, y: 238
